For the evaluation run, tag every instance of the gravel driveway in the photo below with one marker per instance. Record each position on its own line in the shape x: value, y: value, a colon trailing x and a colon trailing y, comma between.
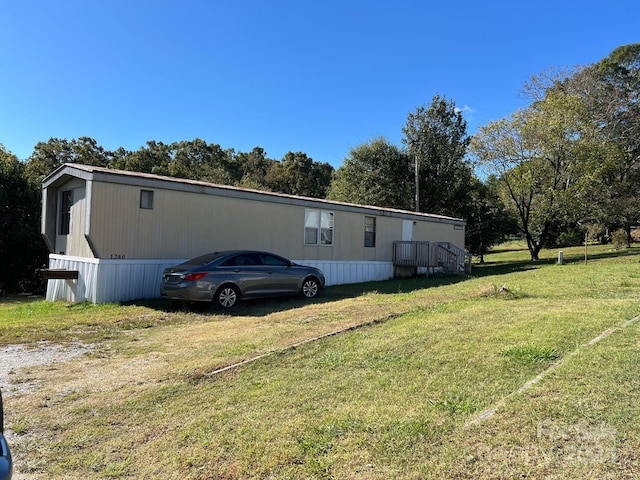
x: 15, y: 357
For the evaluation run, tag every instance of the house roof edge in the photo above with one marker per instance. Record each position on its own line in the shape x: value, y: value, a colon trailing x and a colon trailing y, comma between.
x: 91, y: 172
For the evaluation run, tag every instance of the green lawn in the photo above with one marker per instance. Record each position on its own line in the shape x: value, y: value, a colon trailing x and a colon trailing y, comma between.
x: 392, y: 399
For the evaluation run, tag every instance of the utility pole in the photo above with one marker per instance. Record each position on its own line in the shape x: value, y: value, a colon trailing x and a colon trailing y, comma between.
x: 417, y: 179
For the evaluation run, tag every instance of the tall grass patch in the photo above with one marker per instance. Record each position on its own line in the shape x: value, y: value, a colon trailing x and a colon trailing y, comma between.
x: 530, y: 354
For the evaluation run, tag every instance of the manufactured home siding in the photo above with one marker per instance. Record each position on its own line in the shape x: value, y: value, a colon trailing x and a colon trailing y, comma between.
x: 438, y: 232
x: 74, y: 243
x: 183, y: 224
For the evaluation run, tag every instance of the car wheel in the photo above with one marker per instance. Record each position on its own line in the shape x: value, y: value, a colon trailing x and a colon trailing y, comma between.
x: 227, y: 296
x: 310, y: 287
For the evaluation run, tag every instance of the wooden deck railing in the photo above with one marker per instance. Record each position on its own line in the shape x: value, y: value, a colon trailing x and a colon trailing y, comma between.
x: 443, y: 255
x: 453, y: 259
x: 412, y: 254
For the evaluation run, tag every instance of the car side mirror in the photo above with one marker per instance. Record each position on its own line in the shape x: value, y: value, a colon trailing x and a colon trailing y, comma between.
x: 6, y: 462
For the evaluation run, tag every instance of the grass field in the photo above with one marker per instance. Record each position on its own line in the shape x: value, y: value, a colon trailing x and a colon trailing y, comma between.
x: 396, y: 398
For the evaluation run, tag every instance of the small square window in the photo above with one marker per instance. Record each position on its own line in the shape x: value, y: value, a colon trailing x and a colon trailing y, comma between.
x: 146, y: 199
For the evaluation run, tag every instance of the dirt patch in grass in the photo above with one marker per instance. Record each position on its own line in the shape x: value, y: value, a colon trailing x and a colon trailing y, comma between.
x: 18, y: 356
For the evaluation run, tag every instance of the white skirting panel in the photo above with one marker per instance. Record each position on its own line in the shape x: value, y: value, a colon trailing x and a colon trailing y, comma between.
x: 341, y: 273
x: 79, y: 290
x: 104, y: 281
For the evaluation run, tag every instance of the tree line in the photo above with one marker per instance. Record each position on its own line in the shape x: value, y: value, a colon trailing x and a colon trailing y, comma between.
x: 295, y: 173
x: 566, y: 164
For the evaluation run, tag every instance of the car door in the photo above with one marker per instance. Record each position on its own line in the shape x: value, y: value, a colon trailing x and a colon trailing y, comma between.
x: 282, y: 278
x: 245, y: 270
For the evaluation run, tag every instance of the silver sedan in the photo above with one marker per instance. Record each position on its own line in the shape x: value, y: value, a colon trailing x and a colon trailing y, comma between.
x: 225, y: 278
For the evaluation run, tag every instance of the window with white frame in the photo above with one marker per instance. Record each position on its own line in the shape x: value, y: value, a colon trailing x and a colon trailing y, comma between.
x: 318, y: 227
x: 369, y: 231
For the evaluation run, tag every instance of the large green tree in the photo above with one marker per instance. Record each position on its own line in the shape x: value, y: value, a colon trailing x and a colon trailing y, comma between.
x: 47, y: 156
x: 546, y: 158
x: 436, y: 139
x: 375, y: 173
x: 572, y: 157
x: 488, y: 221
x: 152, y: 158
x: 253, y: 168
x: 22, y: 250
x: 298, y: 174
x: 610, y: 90
x: 198, y: 160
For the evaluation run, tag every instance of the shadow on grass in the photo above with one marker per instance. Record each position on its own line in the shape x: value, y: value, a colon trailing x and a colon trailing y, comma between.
x: 262, y: 307
x: 266, y: 306
x: 501, y: 268
x: 624, y: 252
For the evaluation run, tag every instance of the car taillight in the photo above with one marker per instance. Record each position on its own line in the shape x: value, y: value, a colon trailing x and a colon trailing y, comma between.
x: 194, y: 277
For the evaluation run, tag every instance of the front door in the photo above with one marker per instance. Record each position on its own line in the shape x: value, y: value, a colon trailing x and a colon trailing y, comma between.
x: 407, y: 236
x: 407, y: 230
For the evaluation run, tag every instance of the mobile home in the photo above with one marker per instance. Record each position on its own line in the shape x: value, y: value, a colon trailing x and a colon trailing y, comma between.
x: 112, y: 232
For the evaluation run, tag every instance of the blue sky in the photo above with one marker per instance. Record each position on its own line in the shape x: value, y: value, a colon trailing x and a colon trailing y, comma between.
x: 320, y: 77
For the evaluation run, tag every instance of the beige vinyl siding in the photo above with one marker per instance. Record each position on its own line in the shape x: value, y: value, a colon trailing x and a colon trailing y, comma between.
x: 190, y: 218
x: 185, y: 224
x: 74, y: 243
x: 438, y: 232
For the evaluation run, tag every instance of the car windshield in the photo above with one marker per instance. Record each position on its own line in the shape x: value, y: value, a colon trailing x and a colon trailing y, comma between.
x: 204, y: 259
